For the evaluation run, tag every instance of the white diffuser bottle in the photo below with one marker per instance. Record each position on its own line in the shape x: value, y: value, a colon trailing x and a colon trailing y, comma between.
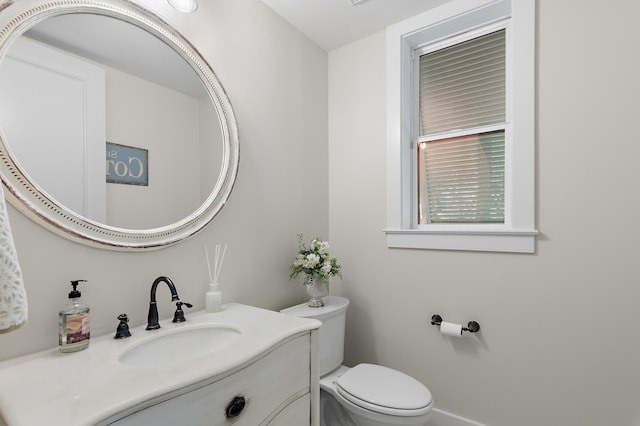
x: 213, y: 298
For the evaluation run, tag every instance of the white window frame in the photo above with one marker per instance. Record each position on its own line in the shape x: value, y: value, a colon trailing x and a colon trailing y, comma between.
x: 518, y: 233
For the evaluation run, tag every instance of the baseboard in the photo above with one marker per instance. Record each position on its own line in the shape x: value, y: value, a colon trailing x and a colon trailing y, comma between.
x: 442, y: 418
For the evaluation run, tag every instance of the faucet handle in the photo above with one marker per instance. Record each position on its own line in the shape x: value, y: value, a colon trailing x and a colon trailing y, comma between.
x: 123, y: 328
x: 178, y: 316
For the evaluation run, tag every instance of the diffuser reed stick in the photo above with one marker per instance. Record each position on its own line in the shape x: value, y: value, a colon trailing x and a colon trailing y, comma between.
x: 206, y: 255
x: 218, y: 259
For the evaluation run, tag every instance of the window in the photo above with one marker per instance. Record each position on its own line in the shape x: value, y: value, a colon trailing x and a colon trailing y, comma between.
x: 461, y: 130
x: 460, y: 171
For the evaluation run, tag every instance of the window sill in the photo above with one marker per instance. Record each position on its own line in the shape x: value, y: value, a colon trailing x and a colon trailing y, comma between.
x: 509, y: 241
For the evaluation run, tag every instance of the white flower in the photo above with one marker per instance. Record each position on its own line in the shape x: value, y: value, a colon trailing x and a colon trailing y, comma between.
x: 311, y: 260
x: 299, y: 261
x: 323, y: 247
x: 315, y: 261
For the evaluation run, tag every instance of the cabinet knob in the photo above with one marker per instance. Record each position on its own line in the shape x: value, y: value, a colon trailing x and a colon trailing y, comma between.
x: 235, y: 407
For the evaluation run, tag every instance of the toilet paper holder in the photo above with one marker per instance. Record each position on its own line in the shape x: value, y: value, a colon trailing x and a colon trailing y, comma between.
x: 472, y: 326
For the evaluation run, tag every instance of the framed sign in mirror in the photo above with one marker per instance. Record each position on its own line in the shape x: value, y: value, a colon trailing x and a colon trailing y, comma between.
x: 127, y: 165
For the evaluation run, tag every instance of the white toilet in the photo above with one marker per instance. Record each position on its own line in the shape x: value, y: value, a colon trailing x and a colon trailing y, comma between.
x: 367, y: 394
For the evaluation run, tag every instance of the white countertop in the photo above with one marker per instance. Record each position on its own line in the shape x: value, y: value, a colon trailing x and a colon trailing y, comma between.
x: 83, y: 388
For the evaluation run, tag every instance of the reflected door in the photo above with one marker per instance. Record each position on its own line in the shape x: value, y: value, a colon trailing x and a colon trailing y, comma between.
x: 52, y: 109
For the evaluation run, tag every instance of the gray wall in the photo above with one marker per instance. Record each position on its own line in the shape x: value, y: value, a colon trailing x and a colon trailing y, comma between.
x: 558, y: 344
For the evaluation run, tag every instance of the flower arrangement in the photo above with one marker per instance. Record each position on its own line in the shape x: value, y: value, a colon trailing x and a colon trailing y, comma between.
x: 314, y: 261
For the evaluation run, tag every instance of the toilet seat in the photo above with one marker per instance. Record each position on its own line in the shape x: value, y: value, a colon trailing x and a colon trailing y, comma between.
x: 384, y: 390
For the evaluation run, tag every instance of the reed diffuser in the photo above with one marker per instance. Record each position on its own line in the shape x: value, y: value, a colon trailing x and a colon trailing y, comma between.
x: 213, y: 296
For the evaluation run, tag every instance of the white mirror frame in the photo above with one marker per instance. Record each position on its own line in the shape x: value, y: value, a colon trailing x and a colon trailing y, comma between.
x: 25, y: 195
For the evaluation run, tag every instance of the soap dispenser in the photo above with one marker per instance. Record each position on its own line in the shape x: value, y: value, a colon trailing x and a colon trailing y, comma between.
x: 73, y: 323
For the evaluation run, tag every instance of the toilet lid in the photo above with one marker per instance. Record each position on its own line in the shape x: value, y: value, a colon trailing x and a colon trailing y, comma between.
x: 384, y: 390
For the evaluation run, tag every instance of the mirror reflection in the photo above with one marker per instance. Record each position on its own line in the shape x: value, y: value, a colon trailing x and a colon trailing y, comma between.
x: 73, y: 83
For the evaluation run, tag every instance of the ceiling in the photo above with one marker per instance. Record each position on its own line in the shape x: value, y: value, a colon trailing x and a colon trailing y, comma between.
x: 335, y: 23
x: 330, y: 23
x: 120, y: 45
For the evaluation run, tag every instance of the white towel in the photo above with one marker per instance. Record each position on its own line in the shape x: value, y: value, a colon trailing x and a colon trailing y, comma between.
x: 13, y: 298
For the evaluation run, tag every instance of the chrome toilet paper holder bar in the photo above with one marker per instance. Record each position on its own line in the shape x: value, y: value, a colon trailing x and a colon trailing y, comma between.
x: 472, y: 326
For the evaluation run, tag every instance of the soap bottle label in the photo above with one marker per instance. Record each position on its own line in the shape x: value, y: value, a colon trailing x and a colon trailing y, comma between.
x: 78, y: 327
x: 75, y: 328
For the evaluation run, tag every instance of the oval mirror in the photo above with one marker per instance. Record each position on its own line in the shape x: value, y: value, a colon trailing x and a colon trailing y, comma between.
x: 114, y: 131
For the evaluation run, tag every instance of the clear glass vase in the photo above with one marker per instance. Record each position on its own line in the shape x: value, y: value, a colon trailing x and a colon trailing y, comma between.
x: 317, y: 288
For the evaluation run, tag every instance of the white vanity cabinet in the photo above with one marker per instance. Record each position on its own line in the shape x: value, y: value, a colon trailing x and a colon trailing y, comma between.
x: 263, y: 370
x: 275, y: 389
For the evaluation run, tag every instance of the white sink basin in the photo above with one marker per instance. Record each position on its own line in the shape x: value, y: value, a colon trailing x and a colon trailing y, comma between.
x: 178, y: 346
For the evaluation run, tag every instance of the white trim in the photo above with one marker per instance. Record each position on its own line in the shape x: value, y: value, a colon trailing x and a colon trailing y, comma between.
x: 443, y: 418
x: 464, y: 132
x: 497, y: 241
x: 518, y: 234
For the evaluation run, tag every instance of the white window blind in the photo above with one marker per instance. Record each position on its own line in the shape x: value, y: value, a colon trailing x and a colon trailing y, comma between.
x: 463, y: 178
x: 461, y: 162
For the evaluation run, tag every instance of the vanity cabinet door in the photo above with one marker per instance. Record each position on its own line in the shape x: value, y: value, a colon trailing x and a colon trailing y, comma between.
x: 295, y: 413
x: 273, y: 390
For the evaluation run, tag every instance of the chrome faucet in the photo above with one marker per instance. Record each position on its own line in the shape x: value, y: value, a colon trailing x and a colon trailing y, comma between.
x: 152, y: 318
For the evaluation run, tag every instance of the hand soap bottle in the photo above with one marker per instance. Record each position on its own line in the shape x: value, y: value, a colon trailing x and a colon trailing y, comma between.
x: 73, y: 323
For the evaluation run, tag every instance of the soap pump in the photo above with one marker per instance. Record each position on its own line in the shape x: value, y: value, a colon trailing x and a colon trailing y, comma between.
x: 74, y: 323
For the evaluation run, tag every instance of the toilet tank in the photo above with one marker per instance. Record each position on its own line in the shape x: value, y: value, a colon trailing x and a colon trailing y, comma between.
x: 331, y: 334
